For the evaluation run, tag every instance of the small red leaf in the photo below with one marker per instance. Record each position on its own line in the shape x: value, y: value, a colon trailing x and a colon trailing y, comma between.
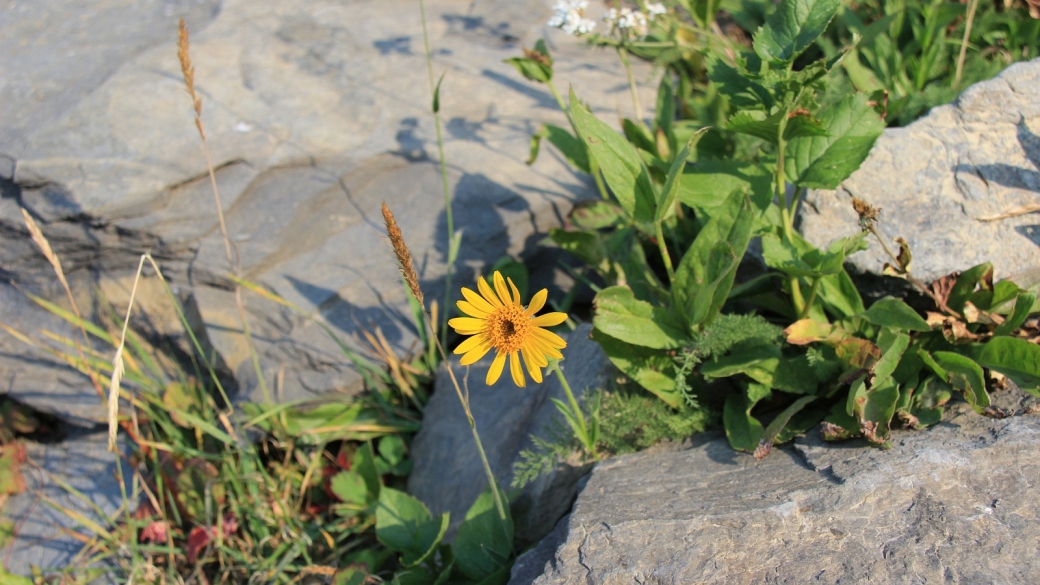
x: 198, y: 538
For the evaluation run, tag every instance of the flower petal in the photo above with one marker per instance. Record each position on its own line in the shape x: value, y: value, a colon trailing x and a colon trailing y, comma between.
x: 533, y: 350
x: 550, y: 338
x: 516, y: 293
x: 537, y: 302
x: 473, y: 356
x: 547, y: 350
x: 469, y: 344
x: 496, y: 368
x: 514, y: 369
x: 467, y: 325
x: 488, y: 294
x: 477, y: 301
x: 471, y: 310
x: 549, y: 319
x: 500, y: 288
x: 532, y: 366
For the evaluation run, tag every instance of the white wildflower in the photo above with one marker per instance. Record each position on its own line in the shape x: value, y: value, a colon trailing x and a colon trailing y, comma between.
x: 656, y: 9
x: 632, y: 20
x: 569, y: 15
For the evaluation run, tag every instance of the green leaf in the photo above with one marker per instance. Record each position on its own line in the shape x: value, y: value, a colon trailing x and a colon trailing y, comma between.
x: 391, y: 448
x: 539, y: 68
x: 719, y: 274
x: 621, y: 165
x: 569, y: 146
x: 666, y: 200
x: 620, y: 315
x: 639, y: 136
x: 765, y: 365
x: 792, y: 28
x: 778, y: 424
x: 350, y: 487
x: 587, y: 245
x: 350, y: 576
x: 780, y: 254
x: 731, y: 223
x: 404, y: 524
x: 757, y: 124
x: 651, y: 369
x: 484, y: 544
x: 437, y: 94
x: 737, y: 86
x: 1023, y: 306
x: 892, y: 312
x: 803, y: 126
x: 967, y: 282
x: 595, y: 214
x: 892, y: 345
x: 1017, y: 359
x: 878, y: 406
x: 743, y: 430
x: 703, y: 11
x: 364, y: 464
x: 708, y: 183
x: 12, y: 579
x: 823, y: 161
x: 962, y: 373
x: 666, y: 111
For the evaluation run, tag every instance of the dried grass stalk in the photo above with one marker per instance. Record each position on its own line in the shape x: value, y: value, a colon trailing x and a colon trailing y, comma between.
x: 404, y: 257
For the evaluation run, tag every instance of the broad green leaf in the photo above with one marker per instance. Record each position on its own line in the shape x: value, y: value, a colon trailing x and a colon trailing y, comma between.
x: 595, y: 214
x: 792, y: 28
x: 391, y: 448
x: 484, y: 543
x: 878, y: 406
x: 852, y: 127
x: 568, y: 145
x: 666, y: 200
x: 743, y: 430
x: 856, y: 397
x: 364, y: 464
x: 587, y: 245
x: 537, y: 65
x: 665, y: 115
x: 625, y: 251
x: 967, y: 282
x: 350, y: 575
x: 1023, y: 305
x: 731, y: 223
x: 1017, y: 359
x: 779, y: 423
x: 893, y: 312
x: 639, y: 136
x: 765, y: 365
x: 838, y: 292
x: 892, y: 345
x: 781, y: 254
x: 757, y: 124
x: 621, y: 165
x: 1004, y: 292
x: 651, y: 369
x: 719, y: 274
x: 404, y: 524
x: 707, y: 184
x: 350, y: 488
x: 963, y: 373
x: 738, y: 87
x: 620, y: 315
x: 803, y: 127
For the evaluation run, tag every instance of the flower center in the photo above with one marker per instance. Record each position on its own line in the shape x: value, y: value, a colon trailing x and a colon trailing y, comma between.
x: 507, y: 328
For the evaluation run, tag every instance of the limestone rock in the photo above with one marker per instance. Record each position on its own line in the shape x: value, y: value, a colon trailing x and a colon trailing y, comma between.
x: 935, y: 179
x: 316, y: 112
x: 951, y: 504
x: 84, y: 462
x: 447, y: 474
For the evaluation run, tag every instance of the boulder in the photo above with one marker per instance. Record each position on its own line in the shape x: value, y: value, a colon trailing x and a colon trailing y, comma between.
x: 316, y: 112
x: 951, y: 504
x: 447, y: 474
x: 83, y: 462
x: 937, y: 180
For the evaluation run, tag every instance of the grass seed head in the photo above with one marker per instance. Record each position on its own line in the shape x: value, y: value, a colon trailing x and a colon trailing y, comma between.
x: 404, y: 257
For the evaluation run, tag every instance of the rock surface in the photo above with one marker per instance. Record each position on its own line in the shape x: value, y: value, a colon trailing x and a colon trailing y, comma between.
x: 316, y: 112
x: 84, y: 463
x: 936, y: 178
x: 952, y: 504
x: 447, y: 475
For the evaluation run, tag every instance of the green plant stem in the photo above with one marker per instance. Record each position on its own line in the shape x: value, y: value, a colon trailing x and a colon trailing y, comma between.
x: 780, y: 189
x: 593, y: 165
x: 974, y: 4
x: 665, y: 256
x: 623, y: 55
x: 812, y: 297
x: 578, y: 415
x: 444, y: 182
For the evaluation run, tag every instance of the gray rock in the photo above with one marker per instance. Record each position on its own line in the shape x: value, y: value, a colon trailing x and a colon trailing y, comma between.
x: 84, y: 463
x: 316, y: 112
x: 951, y: 504
x: 934, y: 179
x: 447, y: 475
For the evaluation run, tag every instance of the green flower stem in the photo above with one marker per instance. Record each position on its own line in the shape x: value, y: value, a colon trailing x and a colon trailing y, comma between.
x: 665, y: 256
x: 780, y: 184
x: 812, y: 297
x: 444, y: 181
x: 623, y: 54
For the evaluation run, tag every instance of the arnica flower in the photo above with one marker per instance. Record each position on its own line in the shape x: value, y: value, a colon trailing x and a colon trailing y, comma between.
x: 498, y: 321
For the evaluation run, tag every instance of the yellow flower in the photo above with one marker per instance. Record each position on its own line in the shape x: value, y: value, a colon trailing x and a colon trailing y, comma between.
x: 498, y: 321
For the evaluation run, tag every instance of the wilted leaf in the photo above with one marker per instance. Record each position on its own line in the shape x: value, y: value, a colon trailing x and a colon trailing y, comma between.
x: 12, y: 456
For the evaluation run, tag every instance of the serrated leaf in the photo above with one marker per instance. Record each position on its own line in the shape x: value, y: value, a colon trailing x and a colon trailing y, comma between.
x: 621, y: 165
x: 792, y: 28
x: 852, y: 127
x: 649, y: 368
x: 893, y: 312
x: 802, y: 127
x: 738, y: 87
x: 620, y: 315
x: 757, y: 124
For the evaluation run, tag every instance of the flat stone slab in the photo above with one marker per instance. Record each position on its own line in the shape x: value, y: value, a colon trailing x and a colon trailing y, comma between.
x: 938, y: 177
x: 84, y: 463
x: 955, y: 503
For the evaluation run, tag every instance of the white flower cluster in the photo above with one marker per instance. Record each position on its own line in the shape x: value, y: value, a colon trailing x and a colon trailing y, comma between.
x: 633, y: 20
x: 569, y: 15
